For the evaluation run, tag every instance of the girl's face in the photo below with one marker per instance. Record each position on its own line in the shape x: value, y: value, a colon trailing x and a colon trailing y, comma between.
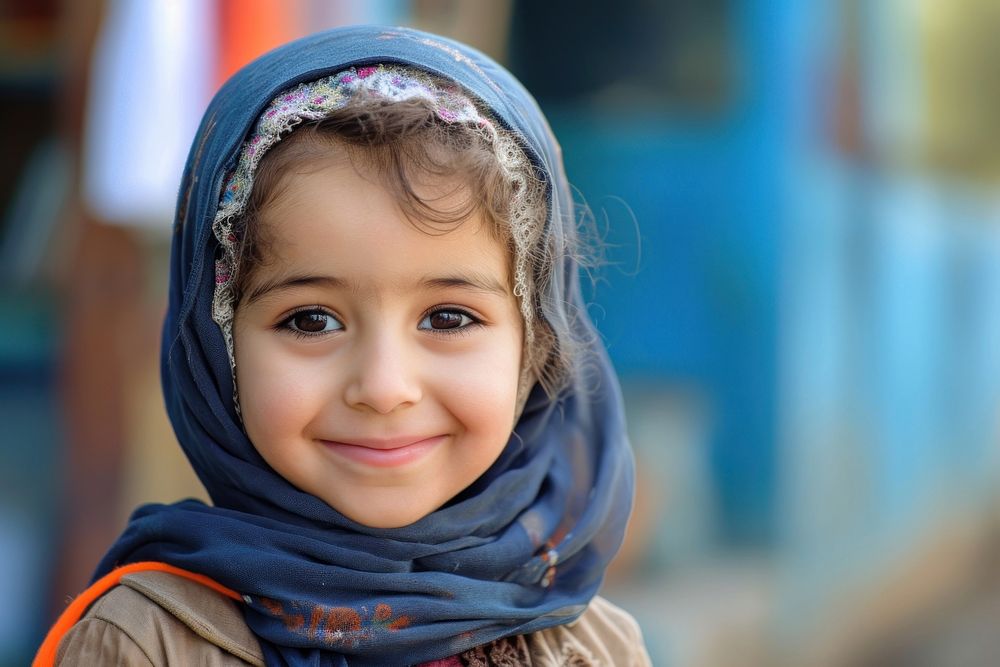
x: 377, y: 365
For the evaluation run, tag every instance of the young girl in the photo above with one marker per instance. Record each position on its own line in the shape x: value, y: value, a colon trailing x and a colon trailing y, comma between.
x: 378, y: 361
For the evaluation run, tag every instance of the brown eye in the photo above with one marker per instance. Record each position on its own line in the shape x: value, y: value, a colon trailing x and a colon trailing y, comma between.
x: 443, y: 320
x: 313, y: 322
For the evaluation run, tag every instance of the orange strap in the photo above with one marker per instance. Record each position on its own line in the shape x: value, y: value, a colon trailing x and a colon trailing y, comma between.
x: 74, y: 612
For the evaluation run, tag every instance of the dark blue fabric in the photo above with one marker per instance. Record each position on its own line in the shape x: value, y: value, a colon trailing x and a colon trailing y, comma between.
x: 321, y: 589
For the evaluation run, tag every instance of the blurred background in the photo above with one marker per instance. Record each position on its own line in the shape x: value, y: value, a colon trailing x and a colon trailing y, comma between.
x: 800, y: 207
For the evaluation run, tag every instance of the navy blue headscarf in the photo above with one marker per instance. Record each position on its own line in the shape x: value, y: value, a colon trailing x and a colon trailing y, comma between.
x: 523, y: 549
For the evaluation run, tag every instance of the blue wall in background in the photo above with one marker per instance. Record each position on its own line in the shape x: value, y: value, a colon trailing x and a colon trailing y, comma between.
x: 700, y: 308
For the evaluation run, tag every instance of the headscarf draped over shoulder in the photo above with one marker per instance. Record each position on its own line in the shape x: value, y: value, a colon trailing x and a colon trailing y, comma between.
x: 525, y: 548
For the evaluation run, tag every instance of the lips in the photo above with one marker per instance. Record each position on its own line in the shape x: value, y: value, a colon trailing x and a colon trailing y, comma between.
x: 385, y: 453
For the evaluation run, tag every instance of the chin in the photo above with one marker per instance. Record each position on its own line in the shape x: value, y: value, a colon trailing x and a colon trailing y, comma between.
x: 387, y: 523
x: 389, y: 518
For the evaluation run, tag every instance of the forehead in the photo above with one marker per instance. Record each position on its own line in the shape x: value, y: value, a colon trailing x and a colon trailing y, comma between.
x: 336, y: 217
x: 437, y: 181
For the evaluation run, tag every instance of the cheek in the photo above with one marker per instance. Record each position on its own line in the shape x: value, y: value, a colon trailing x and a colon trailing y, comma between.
x: 274, y: 393
x: 482, y: 387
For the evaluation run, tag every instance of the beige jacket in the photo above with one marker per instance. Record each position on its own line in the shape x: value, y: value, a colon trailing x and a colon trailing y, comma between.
x: 157, y: 618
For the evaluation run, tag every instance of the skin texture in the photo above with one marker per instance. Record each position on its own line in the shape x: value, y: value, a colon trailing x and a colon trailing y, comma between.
x: 416, y: 340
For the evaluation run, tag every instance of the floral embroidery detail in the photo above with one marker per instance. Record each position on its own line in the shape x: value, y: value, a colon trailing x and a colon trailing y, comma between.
x: 382, y: 612
x: 341, y: 627
x: 475, y: 657
x: 507, y: 652
x: 341, y: 623
x: 221, y: 272
x: 504, y: 652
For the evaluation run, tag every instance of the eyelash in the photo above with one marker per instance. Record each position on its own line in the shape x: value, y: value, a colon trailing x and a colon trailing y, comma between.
x: 475, y: 322
x: 285, y: 324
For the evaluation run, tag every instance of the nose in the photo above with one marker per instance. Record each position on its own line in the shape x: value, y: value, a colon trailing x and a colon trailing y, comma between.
x: 384, y: 376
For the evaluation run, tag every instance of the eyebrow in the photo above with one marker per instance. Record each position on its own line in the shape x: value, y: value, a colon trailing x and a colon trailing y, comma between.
x: 280, y: 284
x: 474, y: 281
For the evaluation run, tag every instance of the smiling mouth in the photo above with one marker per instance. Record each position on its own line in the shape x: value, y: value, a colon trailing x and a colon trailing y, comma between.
x: 385, y: 453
